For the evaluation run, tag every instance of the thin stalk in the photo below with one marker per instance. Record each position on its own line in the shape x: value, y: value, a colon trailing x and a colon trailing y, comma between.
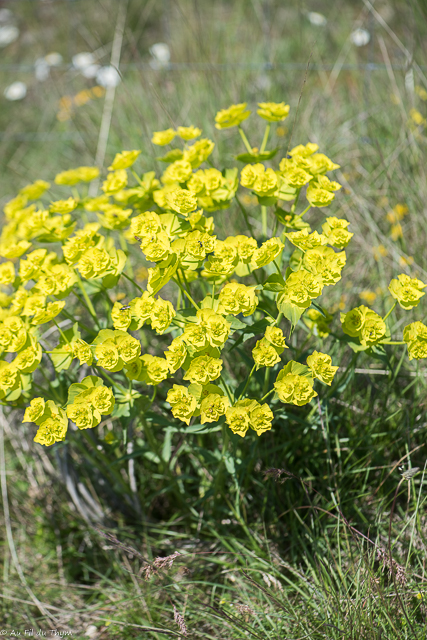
x: 187, y: 295
x: 133, y: 282
x: 245, y: 215
x: 227, y: 389
x: 293, y: 207
x: 266, y: 380
x: 267, y: 394
x: 87, y: 299
x: 247, y: 381
x: 300, y: 215
x: 395, y: 342
x: 245, y: 140
x: 390, y: 311
x: 279, y: 319
x: 265, y: 138
x: 264, y: 220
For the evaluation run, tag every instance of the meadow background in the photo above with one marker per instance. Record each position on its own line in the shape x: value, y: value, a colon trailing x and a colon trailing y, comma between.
x: 295, y: 541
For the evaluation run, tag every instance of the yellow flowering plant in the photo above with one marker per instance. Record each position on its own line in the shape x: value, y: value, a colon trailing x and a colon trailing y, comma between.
x: 210, y: 328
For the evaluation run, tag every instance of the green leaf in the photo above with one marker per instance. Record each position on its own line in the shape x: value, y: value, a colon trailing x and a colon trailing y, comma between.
x: 266, y: 201
x: 290, y: 311
x: 236, y: 323
x: 274, y: 283
x: 167, y: 445
x: 257, y: 157
x: 171, y: 156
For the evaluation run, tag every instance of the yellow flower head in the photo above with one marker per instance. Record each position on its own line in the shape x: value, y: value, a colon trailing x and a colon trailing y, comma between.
x: 7, y: 273
x: 407, y: 291
x: 115, y: 181
x: 237, y: 298
x: 231, y: 117
x: 189, y: 133
x: 321, y: 367
x: 182, y: 201
x: 212, y: 407
x: 267, y: 252
x: 415, y: 336
x: 63, y: 206
x: 304, y: 240
x: 265, y: 354
x: 318, y: 197
x: 204, y: 369
x: 183, y: 404
x: 123, y: 160
x: 364, y: 324
x: 74, y: 176
x: 273, y: 111
x: 179, y: 171
x: 35, y: 190
x: 161, y: 138
x: 294, y: 388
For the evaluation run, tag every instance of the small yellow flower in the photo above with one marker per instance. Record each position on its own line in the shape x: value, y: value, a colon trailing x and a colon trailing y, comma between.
x: 273, y: 111
x: 123, y: 160
x: 417, y: 117
x: 189, y: 133
x: 161, y: 138
x: 379, y: 252
x: 368, y: 296
x: 232, y: 117
x: 407, y: 291
x: 406, y: 262
x: 63, y: 206
x: 115, y: 181
x: 396, y: 232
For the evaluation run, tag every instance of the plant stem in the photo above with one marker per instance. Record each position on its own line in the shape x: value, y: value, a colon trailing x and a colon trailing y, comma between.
x: 177, y: 281
x: 245, y: 215
x: 87, y: 299
x: 264, y: 220
x: 279, y: 319
x: 390, y: 311
x: 247, y: 381
x: 300, y: 215
x: 245, y: 140
x: 227, y: 389
x: 133, y: 282
x: 267, y: 394
x: 265, y: 138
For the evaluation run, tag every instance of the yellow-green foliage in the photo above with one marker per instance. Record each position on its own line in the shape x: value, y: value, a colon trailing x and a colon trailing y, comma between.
x: 55, y: 253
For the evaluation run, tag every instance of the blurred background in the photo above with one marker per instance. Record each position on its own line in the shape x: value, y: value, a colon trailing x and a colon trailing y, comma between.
x: 83, y: 79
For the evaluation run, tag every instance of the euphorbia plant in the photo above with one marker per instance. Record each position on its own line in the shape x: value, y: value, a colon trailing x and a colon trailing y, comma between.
x: 71, y: 260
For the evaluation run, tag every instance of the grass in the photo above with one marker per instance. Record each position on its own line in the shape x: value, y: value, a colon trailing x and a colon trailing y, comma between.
x: 288, y: 536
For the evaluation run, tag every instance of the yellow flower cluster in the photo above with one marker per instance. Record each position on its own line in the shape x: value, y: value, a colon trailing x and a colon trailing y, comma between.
x: 71, y: 257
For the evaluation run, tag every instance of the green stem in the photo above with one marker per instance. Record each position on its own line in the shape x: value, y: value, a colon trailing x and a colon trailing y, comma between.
x: 227, y: 389
x: 247, y: 382
x: 87, y: 299
x: 277, y: 267
x: 267, y: 394
x: 133, y: 282
x: 300, y: 215
x: 264, y: 220
x: 266, y: 380
x: 177, y: 281
x: 389, y: 311
x: 393, y: 342
x: 137, y: 178
x: 63, y: 336
x: 293, y: 207
x: 278, y: 319
x: 245, y: 215
x: 265, y: 138
x: 245, y: 140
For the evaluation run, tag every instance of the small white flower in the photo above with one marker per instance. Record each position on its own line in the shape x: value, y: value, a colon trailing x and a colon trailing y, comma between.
x: 161, y: 55
x: 317, y: 19
x: 108, y: 77
x: 82, y: 60
x: 161, y: 52
x: 91, y: 631
x: 8, y: 34
x: 360, y: 37
x: 53, y: 59
x: 42, y: 69
x: 90, y: 71
x: 15, y: 91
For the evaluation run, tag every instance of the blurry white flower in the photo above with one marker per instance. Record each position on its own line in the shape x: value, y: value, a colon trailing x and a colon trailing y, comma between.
x: 15, y: 91
x: 161, y: 55
x: 91, y: 631
x: 318, y: 19
x: 42, y: 69
x: 90, y: 71
x: 82, y: 60
x: 53, y: 59
x: 8, y: 33
x: 6, y: 15
x: 108, y: 77
x: 360, y: 37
